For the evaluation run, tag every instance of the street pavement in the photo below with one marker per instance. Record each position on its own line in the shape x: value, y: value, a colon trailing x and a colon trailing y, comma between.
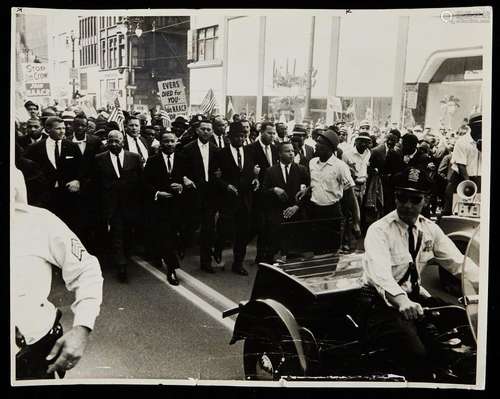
x: 148, y: 329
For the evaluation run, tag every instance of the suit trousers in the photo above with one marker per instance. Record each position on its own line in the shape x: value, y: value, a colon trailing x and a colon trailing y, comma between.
x: 165, y: 242
x: 207, y: 233
x: 238, y: 222
x: 120, y: 234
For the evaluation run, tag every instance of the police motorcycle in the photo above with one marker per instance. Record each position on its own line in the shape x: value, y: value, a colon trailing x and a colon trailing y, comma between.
x: 301, y: 324
x: 459, y: 227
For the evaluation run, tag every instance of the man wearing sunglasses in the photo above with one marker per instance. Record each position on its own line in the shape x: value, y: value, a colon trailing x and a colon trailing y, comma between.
x: 397, y: 249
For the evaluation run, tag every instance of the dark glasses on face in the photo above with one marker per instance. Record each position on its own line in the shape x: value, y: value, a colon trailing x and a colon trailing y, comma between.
x: 414, y: 199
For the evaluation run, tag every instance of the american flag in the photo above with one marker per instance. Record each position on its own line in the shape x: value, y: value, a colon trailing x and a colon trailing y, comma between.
x: 117, y: 115
x: 208, y: 104
x: 165, y: 118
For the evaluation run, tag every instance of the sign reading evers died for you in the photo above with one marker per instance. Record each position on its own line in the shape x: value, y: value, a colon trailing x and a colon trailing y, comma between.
x: 36, y: 79
x: 173, y: 97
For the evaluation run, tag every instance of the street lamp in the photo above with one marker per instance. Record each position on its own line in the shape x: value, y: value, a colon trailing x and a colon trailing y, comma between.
x: 73, y: 62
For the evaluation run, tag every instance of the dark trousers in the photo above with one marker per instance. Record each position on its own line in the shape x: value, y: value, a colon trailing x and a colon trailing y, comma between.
x: 407, y: 341
x: 324, y: 212
x: 65, y: 206
x: 273, y: 233
x: 30, y: 360
x: 237, y: 220
x: 207, y: 234
x: 165, y: 240
x: 120, y: 236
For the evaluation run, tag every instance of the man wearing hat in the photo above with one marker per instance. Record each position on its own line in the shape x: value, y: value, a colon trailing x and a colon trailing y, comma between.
x: 68, y: 117
x: 343, y: 144
x: 465, y: 160
x: 331, y: 183
x: 364, y: 126
x: 397, y: 249
x: 303, y: 152
x: 179, y: 126
x: 32, y: 109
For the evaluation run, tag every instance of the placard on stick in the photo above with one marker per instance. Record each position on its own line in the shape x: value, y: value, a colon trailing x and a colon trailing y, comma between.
x: 173, y: 97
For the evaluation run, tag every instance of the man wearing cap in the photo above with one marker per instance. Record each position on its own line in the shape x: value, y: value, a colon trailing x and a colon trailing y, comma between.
x: 331, y: 183
x: 397, y: 249
x: 68, y: 117
x: 465, y: 160
x: 39, y: 241
x: 32, y: 109
x: 199, y: 188
x: 238, y: 179
x: 364, y: 126
x: 343, y: 144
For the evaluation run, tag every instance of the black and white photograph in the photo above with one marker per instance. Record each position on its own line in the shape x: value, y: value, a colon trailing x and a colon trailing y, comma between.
x: 245, y: 197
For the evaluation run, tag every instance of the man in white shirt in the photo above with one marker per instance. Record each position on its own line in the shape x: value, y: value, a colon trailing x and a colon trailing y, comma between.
x: 41, y: 240
x: 246, y: 126
x: 398, y: 247
x: 465, y: 161
x: 133, y: 141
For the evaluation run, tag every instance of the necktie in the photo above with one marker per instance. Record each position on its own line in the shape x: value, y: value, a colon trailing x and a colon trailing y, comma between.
x: 412, y: 272
x: 268, y: 155
x: 169, y: 164
x: 57, y: 155
x: 286, y: 173
x: 138, y: 148
x: 119, y: 164
x: 239, y: 158
x: 220, y: 142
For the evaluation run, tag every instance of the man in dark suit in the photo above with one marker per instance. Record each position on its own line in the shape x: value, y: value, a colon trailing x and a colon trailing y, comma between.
x: 163, y: 180
x: 33, y: 133
x: 282, y: 182
x: 86, y: 206
x: 238, y: 179
x: 219, y: 138
x: 264, y: 154
x: 379, y: 167
x: 60, y: 162
x: 133, y: 141
x: 303, y: 152
x: 199, y: 163
x: 118, y: 180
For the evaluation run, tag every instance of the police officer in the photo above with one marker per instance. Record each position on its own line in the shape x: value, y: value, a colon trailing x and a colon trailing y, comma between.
x: 397, y: 248
x: 39, y: 240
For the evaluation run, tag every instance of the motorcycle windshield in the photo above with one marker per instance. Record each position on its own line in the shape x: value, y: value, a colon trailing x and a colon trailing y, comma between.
x: 470, y: 281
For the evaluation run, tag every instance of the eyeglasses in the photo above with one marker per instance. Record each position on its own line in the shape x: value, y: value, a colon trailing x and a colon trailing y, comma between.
x: 414, y: 199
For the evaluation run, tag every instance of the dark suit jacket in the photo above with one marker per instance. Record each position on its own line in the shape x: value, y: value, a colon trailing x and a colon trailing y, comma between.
x: 231, y: 174
x: 216, y: 142
x: 260, y: 158
x: 115, y: 194
x: 156, y: 178
x: 70, y: 162
x: 193, y: 169
x: 309, y: 154
x: 297, y: 176
x: 378, y: 157
x: 93, y: 147
x: 25, y: 141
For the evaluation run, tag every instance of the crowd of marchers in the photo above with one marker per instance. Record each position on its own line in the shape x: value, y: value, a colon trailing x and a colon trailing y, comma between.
x: 156, y: 187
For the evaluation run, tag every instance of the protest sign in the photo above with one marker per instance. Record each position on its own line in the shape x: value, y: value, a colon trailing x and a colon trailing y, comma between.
x: 173, y: 97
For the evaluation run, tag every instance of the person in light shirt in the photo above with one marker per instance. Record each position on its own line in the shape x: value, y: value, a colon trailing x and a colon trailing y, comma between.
x: 40, y: 240
x: 397, y: 249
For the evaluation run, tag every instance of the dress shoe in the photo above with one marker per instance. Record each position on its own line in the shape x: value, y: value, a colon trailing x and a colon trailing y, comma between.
x: 208, y: 269
x: 172, y: 278
x: 240, y: 270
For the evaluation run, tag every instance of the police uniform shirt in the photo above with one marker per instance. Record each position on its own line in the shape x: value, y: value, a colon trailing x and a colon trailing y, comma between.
x: 329, y: 180
x: 39, y: 240
x: 133, y: 148
x: 387, y: 256
x: 466, y: 153
x: 358, y: 161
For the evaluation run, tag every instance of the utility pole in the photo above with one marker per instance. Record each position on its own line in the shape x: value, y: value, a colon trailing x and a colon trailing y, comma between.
x: 307, y: 114
x: 73, y: 63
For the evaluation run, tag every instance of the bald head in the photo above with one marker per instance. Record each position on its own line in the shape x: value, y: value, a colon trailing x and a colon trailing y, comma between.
x: 115, y: 141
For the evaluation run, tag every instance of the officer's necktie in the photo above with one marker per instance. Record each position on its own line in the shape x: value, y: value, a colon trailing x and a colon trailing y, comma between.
x: 57, y: 155
x: 119, y: 164
x: 239, y: 158
x: 138, y: 148
x: 220, y: 141
x: 169, y: 164
x: 415, y: 289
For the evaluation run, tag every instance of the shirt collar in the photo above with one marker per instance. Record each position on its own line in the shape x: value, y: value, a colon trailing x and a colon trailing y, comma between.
x: 397, y: 219
x: 329, y: 161
x: 262, y: 144
x: 200, y: 144
x: 165, y: 156
x: 51, y: 140
x: 75, y: 140
x: 234, y: 149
